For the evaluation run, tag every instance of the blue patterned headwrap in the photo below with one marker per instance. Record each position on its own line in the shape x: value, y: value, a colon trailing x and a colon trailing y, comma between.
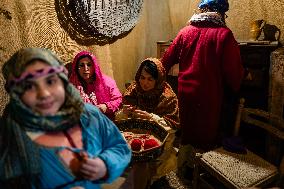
x: 221, y: 6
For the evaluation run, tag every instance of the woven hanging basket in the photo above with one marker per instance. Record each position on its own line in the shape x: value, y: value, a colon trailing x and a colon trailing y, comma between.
x: 109, y: 18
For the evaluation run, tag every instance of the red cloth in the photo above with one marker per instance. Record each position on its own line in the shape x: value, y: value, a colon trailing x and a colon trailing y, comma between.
x: 209, y: 58
x: 136, y: 144
x: 150, y: 143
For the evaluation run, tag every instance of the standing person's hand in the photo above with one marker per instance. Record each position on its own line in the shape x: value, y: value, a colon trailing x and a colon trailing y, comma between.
x: 93, y: 169
x: 102, y: 107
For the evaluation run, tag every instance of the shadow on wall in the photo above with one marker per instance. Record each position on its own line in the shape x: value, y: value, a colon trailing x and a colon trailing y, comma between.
x: 77, y: 28
x: 8, y: 16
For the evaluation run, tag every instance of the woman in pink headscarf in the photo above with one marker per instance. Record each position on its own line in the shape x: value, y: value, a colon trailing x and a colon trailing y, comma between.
x: 95, y: 87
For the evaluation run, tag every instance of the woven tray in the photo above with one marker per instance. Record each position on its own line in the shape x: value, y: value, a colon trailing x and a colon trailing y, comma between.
x: 241, y: 170
x: 141, y: 126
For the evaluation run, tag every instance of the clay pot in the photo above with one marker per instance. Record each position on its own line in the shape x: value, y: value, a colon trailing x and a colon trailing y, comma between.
x: 271, y: 32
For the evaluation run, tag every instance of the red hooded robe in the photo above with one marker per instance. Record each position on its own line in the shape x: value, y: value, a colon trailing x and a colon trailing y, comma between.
x: 209, y: 58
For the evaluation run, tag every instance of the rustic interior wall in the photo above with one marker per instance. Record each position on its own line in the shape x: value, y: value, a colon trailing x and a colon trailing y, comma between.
x: 26, y: 23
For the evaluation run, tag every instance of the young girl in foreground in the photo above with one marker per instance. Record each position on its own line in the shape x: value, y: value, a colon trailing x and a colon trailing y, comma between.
x: 49, y: 138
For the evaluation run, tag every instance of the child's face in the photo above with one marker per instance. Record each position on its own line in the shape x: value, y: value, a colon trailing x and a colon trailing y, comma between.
x: 46, y: 94
x: 86, y: 69
x: 146, y: 80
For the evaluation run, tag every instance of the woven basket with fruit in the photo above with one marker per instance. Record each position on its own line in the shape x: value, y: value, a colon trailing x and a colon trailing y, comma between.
x: 145, y: 138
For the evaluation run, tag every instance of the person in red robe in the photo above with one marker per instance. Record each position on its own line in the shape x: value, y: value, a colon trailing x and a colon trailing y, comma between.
x: 209, y: 60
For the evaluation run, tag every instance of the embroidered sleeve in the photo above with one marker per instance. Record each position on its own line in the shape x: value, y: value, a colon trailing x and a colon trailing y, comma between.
x: 93, y: 98
x: 161, y: 121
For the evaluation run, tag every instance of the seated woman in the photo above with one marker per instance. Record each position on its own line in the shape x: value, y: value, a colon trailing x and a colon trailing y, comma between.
x: 151, y: 97
x: 95, y: 87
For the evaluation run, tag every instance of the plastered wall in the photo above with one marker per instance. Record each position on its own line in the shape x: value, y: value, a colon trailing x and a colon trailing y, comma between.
x: 26, y: 23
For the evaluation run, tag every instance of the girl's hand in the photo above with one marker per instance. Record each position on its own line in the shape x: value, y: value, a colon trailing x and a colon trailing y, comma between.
x: 93, y: 169
x: 102, y: 107
x: 142, y: 114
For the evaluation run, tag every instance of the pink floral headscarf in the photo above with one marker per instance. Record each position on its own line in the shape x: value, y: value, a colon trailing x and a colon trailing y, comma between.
x: 98, y: 85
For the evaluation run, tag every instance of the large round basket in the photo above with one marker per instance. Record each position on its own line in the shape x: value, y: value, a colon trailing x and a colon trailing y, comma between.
x: 141, y: 126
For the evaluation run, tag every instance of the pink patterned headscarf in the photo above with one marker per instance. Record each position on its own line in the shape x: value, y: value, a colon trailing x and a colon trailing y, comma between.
x: 98, y: 86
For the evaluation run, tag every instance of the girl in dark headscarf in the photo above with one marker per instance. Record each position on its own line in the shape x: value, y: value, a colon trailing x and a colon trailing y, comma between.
x: 151, y: 97
x: 51, y: 138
